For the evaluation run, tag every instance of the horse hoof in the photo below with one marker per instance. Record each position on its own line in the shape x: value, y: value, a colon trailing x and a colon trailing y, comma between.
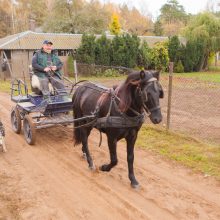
x: 104, y: 168
x: 84, y: 156
x: 135, y: 186
x: 92, y: 168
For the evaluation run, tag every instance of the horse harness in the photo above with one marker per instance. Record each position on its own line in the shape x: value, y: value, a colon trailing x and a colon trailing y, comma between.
x: 122, y: 121
x: 144, y: 97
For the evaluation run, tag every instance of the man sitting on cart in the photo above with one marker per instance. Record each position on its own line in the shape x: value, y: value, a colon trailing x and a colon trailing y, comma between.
x: 47, y: 67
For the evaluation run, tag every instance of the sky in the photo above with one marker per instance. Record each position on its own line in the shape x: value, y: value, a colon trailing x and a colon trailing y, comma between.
x: 153, y: 6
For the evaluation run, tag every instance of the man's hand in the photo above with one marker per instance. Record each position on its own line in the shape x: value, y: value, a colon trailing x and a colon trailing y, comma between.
x: 54, y: 68
x: 47, y: 69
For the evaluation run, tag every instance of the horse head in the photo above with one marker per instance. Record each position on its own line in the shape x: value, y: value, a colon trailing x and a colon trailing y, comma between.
x: 150, y: 91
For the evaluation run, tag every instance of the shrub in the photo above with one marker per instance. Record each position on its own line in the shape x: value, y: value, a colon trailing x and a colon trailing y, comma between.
x: 70, y: 66
x: 125, y: 50
x: 86, y: 51
x: 107, y: 73
x: 159, y: 56
x: 144, y: 56
x: 178, y: 67
x: 103, y: 51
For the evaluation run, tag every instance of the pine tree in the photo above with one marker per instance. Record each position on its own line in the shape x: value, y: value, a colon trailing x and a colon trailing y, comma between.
x: 114, y: 26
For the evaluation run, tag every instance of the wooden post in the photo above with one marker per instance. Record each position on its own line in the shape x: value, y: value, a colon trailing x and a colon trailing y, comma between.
x: 75, y: 71
x: 169, y: 94
x: 7, y: 61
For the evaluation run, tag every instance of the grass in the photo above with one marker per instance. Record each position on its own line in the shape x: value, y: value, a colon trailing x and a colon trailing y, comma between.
x: 185, y: 150
x: 5, y: 86
x: 201, y: 76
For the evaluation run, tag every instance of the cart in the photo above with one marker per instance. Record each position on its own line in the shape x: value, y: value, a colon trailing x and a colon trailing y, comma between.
x: 32, y: 112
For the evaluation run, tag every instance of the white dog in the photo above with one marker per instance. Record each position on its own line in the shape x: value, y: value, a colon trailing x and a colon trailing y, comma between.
x: 2, y: 137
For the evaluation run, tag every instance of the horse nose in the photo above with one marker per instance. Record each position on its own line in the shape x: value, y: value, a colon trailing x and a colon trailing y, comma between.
x: 157, y: 120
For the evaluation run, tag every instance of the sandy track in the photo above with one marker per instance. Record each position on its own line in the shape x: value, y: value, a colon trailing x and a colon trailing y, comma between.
x: 51, y: 180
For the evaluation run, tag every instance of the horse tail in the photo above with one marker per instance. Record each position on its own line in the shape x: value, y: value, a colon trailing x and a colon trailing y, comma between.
x: 76, y: 114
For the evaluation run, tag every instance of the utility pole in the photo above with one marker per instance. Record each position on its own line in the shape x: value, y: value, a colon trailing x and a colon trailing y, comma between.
x: 12, y: 16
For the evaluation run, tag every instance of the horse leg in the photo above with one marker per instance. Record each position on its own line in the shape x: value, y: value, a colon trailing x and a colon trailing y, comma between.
x: 85, y: 149
x: 130, y: 158
x: 112, y: 143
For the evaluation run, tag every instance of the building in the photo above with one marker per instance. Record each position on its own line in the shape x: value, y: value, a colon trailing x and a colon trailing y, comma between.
x: 17, y: 50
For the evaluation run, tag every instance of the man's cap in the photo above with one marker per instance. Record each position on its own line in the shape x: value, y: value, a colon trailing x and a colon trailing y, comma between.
x: 47, y: 42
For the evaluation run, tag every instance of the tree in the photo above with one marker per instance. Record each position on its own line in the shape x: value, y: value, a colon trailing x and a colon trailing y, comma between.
x: 114, y: 26
x: 144, y: 56
x: 173, y: 17
x: 86, y: 51
x: 103, y: 51
x: 203, y: 33
x: 134, y: 22
x: 158, y: 29
x: 174, y: 48
x: 6, y: 26
x: 77, y: 17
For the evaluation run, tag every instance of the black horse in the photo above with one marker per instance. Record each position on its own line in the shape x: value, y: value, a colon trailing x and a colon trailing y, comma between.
x: 119, y: 113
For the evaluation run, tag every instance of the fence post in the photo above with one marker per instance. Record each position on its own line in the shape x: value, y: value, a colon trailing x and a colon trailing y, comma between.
x: 75, y: 71
x: 169, y: 94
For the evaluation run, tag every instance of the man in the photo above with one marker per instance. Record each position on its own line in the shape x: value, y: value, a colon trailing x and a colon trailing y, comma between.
x: 47, y: 65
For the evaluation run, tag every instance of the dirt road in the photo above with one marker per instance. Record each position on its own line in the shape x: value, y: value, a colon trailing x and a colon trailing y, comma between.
x: 51, y: 180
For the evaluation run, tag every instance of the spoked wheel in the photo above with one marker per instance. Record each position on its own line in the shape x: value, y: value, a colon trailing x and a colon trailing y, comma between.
x: 16, y: 120
x: 29, y: 130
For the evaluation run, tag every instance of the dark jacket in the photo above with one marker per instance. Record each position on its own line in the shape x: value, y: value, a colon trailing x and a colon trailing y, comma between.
x: 42, y: 59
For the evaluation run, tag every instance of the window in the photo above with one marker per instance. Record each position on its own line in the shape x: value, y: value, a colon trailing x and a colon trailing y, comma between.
x: 63, y: 52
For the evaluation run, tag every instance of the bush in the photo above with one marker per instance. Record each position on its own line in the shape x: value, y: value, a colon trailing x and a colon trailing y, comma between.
x: 159, y: 56
x: 70, y: 66
x: 193, y: 55
x: 178, y: 67
x: 86, y: 51
x: 125, y: 50
x: 103, y: 51
x: 144, y: 55
x: 107, y: 73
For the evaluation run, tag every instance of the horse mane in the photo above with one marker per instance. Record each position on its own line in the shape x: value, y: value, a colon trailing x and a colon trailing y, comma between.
x: 124, y: 91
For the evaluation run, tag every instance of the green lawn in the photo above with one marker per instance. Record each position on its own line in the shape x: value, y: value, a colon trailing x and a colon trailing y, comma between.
x: 187, y: 151
x: 5, y: 86
x: 201, y: 76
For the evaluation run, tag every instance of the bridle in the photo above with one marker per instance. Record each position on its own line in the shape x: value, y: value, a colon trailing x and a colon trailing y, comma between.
x: 143, y: 94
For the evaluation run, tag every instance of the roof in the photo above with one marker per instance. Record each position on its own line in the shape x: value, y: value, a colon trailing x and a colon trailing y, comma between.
x: 30, y: 40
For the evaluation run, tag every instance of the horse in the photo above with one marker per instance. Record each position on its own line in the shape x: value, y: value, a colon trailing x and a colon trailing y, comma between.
x: 124, y: 106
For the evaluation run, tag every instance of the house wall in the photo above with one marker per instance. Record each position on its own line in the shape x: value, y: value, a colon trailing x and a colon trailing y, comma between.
x: 20, y: 62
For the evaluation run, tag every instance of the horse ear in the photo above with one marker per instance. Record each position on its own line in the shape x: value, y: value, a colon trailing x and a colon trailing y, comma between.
x: 156, y: 74
x: 142, y: 74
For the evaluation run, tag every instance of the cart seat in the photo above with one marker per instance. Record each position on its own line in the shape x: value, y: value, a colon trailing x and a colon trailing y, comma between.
x: 20, y: 98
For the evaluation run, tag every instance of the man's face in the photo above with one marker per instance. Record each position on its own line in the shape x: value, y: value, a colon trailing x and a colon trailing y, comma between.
x: 47, y: 47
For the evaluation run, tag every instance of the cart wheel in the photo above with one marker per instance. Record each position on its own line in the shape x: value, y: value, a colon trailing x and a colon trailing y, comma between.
x: 29, y: 130
x: 16, y: 120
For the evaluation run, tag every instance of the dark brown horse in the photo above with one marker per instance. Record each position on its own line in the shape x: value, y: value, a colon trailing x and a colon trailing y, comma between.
x: 119, y: 113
